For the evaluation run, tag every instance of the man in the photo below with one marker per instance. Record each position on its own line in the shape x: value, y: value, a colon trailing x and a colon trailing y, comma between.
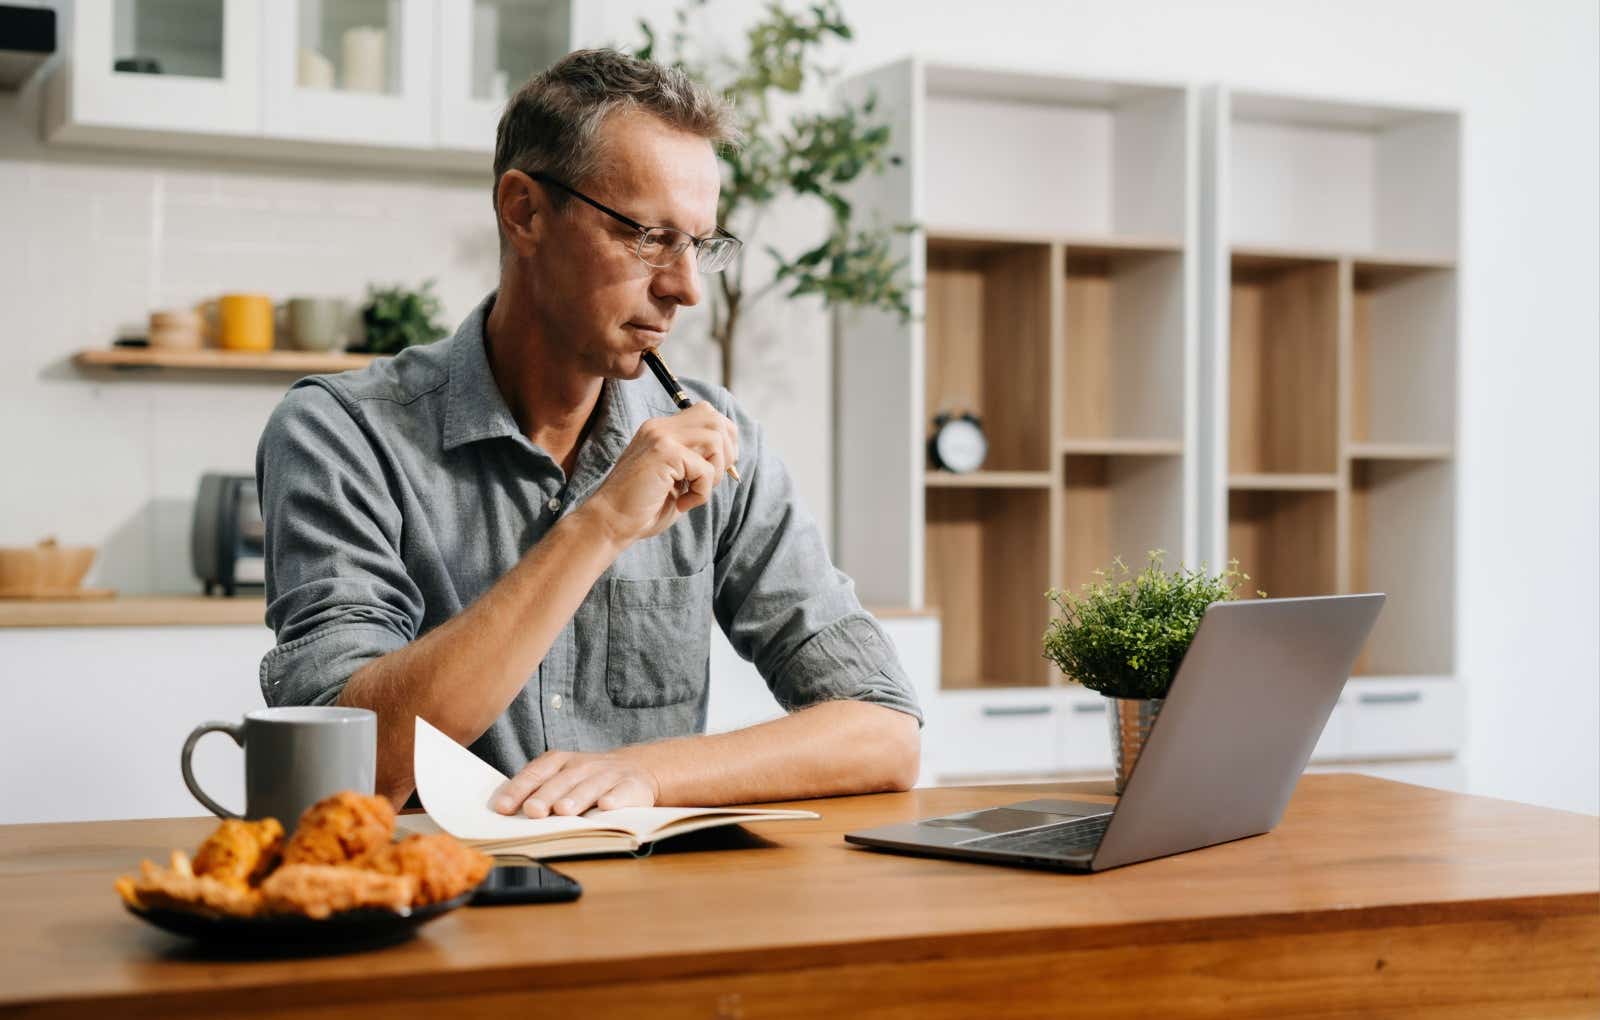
x: 516, y: 535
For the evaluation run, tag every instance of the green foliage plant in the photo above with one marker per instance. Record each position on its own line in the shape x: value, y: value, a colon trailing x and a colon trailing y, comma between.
x: 811, y: 155
x: 395, y: 318
x: 1126, y: 633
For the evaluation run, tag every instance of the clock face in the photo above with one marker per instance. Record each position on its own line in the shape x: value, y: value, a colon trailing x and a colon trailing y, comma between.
x: 960, y: 445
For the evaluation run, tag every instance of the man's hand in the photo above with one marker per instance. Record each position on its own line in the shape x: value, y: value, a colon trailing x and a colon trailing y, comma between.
x: 571, y: 782
x: 671, y: 466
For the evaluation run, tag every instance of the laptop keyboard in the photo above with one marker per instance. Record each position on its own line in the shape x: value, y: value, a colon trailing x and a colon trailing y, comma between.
x: 1061, y: 840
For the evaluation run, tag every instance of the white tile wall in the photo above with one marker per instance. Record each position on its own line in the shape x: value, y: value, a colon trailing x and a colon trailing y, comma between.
x: 91, y: 241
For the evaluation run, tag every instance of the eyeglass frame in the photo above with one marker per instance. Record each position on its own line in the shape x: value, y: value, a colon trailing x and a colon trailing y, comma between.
x: 644, y: 231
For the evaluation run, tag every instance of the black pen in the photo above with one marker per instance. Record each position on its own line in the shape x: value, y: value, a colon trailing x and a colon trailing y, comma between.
x: 675, y: 391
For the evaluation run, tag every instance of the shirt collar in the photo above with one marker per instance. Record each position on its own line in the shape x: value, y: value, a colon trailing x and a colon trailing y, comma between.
x: 475, y: 409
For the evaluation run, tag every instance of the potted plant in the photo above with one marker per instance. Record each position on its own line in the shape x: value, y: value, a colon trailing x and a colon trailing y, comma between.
x: 1125, y: 635
x: 790, y: 152
x: 395, y: 318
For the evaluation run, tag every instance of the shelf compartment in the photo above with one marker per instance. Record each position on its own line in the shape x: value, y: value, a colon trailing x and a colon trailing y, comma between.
x: 1283, y: 366
x: 988, y: 329
x: 1311, y: 174
x: 1124, y: 358
x: 988, y: 480
x: 1402, y: 542
x: 1402, y: 356
x: 1286, y: 541
x: 1119, y: 506
x: 1060, y: 155
x: 987, y: 569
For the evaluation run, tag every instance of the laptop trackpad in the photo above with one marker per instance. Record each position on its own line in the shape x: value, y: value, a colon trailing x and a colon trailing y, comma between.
x: 1027, y: 815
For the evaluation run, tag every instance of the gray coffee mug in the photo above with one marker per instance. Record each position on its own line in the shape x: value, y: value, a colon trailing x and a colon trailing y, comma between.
x: 294, y: 757
x: 317, y: 324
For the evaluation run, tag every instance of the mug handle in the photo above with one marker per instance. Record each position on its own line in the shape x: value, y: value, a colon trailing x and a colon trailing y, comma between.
x: 233, y: 730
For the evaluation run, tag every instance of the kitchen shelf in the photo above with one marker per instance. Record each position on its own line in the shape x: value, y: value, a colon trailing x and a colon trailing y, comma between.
x: 261, y: 362
x: 134, y: 611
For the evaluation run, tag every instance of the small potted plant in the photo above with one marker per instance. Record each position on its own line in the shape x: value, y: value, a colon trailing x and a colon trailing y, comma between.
x: 395, y: 318
x: 1125, y: 635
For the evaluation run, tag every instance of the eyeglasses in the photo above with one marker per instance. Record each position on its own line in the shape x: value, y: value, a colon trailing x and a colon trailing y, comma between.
x: 661, y: 247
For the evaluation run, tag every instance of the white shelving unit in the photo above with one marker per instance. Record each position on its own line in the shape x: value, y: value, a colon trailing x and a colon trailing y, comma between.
x: 1059, y: 218
x: 1328, y: 398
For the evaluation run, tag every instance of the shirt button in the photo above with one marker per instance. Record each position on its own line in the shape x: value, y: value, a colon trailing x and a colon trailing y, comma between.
x: 554, y: 504
x: 555, y: 701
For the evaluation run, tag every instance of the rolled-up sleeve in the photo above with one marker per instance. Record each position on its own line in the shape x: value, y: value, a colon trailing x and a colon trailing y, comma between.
x: 782, y: 603
x: 338, y: 593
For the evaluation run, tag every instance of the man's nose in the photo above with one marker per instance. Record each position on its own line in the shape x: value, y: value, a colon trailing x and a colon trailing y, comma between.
x: 681, y: 281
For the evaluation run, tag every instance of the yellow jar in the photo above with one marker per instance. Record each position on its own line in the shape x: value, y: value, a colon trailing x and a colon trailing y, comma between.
x: 244, y: 322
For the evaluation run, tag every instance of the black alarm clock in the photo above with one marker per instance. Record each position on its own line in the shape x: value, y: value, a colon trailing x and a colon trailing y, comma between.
x: 958, y: 443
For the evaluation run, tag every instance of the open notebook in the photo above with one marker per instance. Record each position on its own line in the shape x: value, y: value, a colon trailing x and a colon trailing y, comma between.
x: 456, y: 786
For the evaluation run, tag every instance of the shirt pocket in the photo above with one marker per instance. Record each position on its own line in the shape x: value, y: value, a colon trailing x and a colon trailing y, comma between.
x: 658, y: 639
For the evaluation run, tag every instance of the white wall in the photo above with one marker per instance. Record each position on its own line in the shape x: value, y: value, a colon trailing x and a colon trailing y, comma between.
x: 107, y: 236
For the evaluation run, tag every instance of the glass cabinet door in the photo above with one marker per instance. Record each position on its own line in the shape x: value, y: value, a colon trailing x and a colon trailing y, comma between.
x: 184, y: 65
x: 356, y: 71
x: 487, y: 50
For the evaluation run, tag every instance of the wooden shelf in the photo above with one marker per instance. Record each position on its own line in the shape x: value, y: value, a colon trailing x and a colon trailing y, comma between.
x: 1121, y: 447
x: 209, y: 360
x: 1364, y: 260
x: 1398, y: 451
x: 134, y: 611
x: 988, y: 480
x: 1269, y: 482
x: 957, y: 237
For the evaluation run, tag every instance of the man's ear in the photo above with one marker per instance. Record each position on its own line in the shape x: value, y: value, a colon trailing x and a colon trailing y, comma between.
x: 520, y: 202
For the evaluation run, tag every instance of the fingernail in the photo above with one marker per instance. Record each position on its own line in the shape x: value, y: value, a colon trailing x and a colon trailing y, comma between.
x: 503, y: 805
x: 565, y: 807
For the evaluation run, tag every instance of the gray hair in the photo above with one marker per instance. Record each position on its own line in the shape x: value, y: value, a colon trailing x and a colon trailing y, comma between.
x: 553, y: 122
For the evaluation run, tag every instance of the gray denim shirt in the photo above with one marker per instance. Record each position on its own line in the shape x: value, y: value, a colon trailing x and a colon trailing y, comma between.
x: 394, y: 496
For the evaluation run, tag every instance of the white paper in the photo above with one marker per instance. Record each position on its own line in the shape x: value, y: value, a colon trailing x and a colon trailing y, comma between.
x: 457, y: 789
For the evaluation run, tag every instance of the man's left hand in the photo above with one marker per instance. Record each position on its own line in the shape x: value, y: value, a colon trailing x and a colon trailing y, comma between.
x: 572, y: 782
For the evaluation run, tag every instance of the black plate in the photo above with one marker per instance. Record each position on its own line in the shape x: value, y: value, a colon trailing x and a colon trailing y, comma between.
x: 351, y: 929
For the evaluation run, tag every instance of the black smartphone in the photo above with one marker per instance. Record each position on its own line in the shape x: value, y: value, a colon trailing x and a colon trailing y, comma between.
x: 520, y: 880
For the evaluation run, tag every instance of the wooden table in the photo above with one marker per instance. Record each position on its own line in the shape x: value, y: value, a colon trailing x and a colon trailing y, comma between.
x: 1371, y: 897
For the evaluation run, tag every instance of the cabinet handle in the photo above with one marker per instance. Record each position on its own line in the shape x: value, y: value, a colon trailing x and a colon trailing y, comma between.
x: 1098, y: 708
x: 1398, y: 698
x: 1004, y: 710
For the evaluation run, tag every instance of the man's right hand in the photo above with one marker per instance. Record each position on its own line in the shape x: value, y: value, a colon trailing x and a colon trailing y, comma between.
x: 671, y: 466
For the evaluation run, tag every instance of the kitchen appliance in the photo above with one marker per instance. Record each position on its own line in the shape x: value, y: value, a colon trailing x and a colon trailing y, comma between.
x: 227, y: 535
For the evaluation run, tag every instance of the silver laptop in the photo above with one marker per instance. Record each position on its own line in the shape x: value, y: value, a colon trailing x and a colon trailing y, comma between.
x: 1246, y: 707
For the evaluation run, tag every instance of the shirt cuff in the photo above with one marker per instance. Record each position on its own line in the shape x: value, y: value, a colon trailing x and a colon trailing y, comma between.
x: 849, y: 660
x: 313, y: 669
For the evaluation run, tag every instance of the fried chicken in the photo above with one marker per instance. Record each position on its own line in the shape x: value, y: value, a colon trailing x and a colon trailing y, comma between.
x: 178, y: 887
x: 319, y: 890
x: 240, y: 853
x: 339, y: 829
x: 442, y: 866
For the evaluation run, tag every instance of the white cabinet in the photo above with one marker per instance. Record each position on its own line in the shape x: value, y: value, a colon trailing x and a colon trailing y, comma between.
x: 1019, y: 732
x: 192, y: 66
x: 353, y: 71
x: 1404, y: 716
x: 486, y: 50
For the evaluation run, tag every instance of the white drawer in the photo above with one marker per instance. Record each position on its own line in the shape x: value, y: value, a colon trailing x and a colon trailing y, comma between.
x: 1085, y: 733
x: 1395, y: 716
x: 1335, y: 735
x: 1000, y: 732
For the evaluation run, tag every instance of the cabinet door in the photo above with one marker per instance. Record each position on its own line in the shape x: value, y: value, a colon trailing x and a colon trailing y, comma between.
x: 352, y: 71
x: 198, y: 67
x: 487, y: 50
x: 1085, y: 733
